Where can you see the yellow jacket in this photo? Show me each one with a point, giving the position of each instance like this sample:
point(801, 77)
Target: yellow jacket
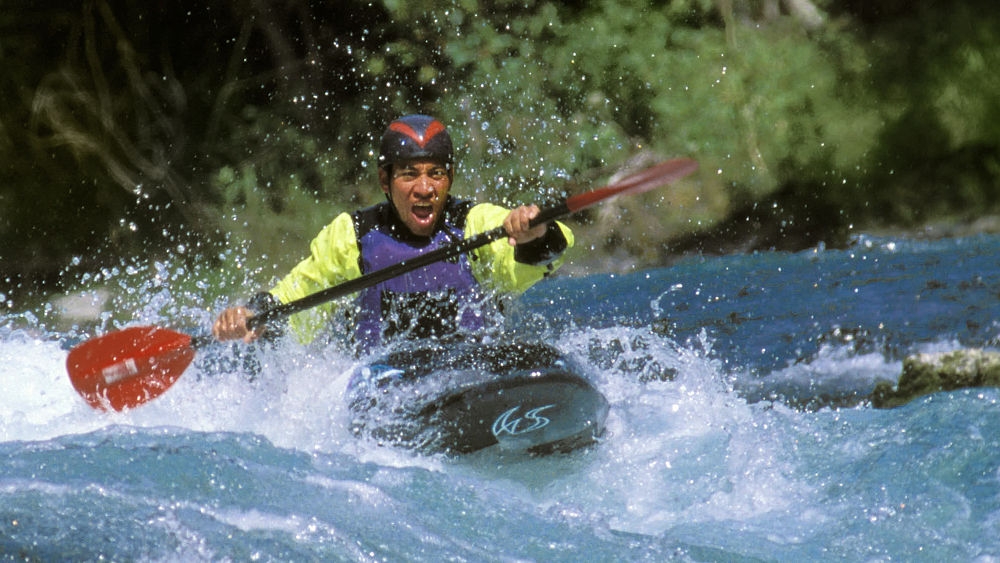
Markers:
point(334, 259)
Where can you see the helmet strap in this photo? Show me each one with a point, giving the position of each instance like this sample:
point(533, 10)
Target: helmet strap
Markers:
point(387, 191)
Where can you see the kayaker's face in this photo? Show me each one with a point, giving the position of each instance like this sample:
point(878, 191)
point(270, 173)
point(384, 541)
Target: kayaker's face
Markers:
point(418, 190)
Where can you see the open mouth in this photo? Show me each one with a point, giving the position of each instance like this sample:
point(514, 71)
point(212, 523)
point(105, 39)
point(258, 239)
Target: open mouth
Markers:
point(423, 212)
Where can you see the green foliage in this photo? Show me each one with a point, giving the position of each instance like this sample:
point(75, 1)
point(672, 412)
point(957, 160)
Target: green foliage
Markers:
point(555, 90)
point(272, 207)
point(568, 89)
point(938, 153)
point(135, 127)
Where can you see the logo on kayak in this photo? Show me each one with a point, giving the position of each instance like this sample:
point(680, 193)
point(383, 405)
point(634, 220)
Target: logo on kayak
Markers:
point(508, 423)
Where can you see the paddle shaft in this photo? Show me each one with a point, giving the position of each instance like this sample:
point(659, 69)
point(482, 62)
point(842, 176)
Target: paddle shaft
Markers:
point(379, 276)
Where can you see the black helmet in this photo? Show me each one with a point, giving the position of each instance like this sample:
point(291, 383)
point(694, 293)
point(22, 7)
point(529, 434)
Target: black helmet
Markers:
point(416, 137)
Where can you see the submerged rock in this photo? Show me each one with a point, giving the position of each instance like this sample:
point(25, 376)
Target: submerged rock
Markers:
point(924, 374)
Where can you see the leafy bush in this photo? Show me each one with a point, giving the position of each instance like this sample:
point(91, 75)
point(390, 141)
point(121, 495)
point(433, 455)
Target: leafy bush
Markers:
point(251, 125)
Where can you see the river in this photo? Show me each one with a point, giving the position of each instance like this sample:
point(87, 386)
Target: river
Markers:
point(738, 431)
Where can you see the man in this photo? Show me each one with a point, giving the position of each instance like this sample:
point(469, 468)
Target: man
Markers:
point(416, 171)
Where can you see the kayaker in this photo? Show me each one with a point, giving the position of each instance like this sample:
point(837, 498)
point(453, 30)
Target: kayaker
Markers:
point(416, 172)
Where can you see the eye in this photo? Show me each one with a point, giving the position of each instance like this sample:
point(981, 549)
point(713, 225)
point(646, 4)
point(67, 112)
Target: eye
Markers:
point(405, 173)
point(438, 174)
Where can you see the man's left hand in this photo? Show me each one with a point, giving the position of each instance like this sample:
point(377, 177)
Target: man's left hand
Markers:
point(517, 225)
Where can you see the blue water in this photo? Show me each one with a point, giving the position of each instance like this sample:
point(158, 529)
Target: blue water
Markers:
point(738, 431)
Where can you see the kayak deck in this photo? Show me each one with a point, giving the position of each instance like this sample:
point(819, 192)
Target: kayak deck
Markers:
point(464, 397)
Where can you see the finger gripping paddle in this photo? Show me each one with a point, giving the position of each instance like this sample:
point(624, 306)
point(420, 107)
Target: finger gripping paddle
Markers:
point(124, 369)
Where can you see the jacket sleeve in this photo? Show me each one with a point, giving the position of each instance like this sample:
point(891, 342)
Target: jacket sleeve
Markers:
point(496, 265)
point(333, 259)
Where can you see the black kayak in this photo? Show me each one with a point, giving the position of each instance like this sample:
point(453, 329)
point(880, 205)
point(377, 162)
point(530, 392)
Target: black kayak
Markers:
point(463, 397)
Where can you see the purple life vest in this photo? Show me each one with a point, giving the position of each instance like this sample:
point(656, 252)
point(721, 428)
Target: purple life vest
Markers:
point(437, 300)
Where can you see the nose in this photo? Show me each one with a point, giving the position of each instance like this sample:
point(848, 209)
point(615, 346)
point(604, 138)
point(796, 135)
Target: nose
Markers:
point(424, 187)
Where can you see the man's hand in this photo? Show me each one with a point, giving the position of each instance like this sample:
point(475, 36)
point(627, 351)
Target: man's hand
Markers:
point(232, 325)
point(516, 225)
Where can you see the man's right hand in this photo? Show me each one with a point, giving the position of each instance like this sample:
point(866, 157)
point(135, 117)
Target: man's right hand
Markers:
point(232, 325)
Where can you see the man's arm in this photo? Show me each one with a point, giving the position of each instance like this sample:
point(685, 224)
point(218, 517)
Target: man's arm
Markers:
point(513, 269)
point(333, 259)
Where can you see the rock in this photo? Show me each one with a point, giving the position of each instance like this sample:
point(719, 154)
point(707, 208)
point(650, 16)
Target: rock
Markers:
point(924, 374)
point(81, 307)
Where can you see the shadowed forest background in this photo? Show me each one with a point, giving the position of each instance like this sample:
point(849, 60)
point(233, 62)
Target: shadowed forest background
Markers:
point(174, 130)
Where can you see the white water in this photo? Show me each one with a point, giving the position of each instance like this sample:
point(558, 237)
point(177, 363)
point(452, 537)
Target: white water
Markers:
point(224, 467)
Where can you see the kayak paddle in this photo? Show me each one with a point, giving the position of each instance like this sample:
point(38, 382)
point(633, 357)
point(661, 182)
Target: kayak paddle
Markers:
point(127, 368)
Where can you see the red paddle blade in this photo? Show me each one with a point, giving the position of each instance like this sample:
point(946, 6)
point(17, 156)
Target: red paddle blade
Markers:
point(124, 369)
point(643, 181)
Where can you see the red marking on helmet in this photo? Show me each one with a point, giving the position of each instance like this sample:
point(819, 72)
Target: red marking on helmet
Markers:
point(433, 128)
